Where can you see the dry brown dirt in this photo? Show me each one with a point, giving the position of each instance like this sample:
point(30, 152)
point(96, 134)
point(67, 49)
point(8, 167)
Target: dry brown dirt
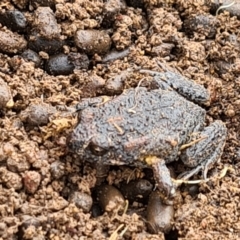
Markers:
point(47, 192)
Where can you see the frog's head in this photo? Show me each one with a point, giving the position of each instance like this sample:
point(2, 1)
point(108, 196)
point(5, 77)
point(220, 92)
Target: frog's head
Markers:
point(87, 143)
point(81, 147)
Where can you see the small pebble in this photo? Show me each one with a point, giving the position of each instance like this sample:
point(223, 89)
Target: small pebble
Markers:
point(59, 65)
point(31, 181)
point(37, 114)
point(11, 42)
point(38, 43)
point(5, 94)
point(30, 55)
point(159, 215)
point(110, 198)
point(205, 25)
point(94, 86)
point(92, 41)
point(137, 190)
point(57, 169)
point(81, 200)
point(96, 82)
point(14, 20)
point(45, 33)
point(79, 60)
point(115, 84)
point(62, 64)
point(110, 9)
point(45, 23)
point(233, 39)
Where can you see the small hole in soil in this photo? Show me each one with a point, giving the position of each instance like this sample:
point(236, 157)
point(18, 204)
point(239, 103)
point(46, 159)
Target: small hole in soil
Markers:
point(172, 235)
point(17, 97)
point(1, 114)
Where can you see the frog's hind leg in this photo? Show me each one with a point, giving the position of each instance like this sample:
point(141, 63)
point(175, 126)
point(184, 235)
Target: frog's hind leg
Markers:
point(185, 87)
point(204, 153)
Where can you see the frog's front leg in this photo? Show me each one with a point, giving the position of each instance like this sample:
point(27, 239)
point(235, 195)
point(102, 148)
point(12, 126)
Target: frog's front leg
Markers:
point(185, 87)
point(162, 176)
point(92, 102)
point(205, 152)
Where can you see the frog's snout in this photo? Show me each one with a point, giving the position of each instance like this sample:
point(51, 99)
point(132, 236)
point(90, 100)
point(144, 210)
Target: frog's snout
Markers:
point(96, 144)
point(73, 145)
point(75, 142)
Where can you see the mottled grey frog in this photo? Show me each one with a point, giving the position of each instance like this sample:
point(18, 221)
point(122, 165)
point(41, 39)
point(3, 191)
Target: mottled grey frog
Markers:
point(151, 127)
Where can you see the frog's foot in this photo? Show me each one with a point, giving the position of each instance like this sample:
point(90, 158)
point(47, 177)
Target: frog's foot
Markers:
point(162, 176)
point(203, 154)
point(222, 174)
point(188, 174)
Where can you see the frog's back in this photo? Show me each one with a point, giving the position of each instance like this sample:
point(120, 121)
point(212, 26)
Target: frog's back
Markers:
point(141, 122)
point(139, 110)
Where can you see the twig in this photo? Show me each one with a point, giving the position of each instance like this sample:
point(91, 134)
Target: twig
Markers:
point(224, 6)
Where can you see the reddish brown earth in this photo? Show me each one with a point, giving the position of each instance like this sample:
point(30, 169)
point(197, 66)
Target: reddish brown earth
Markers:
point(47, 192)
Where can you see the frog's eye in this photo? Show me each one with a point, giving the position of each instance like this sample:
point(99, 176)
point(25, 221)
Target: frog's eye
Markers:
point(96, 150)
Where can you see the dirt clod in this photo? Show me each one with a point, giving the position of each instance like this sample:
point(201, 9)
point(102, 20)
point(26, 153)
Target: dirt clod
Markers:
point(11, 42)
point(31, 181)
point(45, 23)
point(92, 41)
point(14, 20)
point(38, 114)
point(110, 198)
point(5, 94)
point(81, 200)
point(159, 216)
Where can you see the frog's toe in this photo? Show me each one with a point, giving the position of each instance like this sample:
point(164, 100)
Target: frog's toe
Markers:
point(188, 174)
point(162, 177)
point(203, 154)
point(210, 161)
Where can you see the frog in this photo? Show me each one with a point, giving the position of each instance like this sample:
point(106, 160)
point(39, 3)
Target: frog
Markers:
point(151, 127)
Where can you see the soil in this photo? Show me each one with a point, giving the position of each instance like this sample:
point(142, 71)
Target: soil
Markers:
point(46, 192)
